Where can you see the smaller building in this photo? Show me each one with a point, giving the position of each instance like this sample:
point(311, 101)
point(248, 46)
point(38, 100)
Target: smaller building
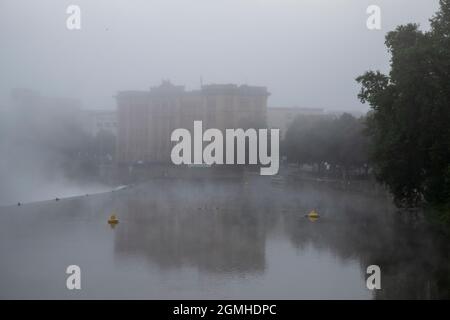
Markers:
point(95, 121)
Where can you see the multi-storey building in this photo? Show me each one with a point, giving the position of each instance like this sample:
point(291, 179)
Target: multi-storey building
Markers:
point(146, 119)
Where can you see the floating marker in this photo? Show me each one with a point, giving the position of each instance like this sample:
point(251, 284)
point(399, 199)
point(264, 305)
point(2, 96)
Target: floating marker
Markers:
point(112, 221)
point(313, 216)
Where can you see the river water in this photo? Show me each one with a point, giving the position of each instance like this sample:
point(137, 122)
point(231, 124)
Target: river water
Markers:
point(220, 239)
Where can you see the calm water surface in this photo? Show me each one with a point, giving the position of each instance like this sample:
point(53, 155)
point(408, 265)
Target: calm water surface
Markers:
point(236, 239)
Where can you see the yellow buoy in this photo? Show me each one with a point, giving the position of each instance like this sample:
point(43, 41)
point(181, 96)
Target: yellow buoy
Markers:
point(313, 216)
point(112, 221)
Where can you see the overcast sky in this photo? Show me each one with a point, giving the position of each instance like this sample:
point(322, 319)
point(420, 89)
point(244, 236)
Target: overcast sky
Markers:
point(307, 52)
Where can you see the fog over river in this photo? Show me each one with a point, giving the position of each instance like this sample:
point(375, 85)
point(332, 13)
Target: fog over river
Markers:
point(232, 238)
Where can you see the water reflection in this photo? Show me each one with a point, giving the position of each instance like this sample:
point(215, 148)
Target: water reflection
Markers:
point(236, 238)
point(224, 228)
point(216, 228)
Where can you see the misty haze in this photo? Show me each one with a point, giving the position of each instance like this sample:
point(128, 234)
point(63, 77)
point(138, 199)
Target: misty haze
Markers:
point(341, 160)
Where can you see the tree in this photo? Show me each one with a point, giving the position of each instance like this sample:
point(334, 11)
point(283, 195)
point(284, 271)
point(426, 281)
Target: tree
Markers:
point(338, 142)
point(409, 124)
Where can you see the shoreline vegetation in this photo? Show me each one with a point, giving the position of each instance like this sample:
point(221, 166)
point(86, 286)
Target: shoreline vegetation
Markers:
point(408, 124)
point(404, 140)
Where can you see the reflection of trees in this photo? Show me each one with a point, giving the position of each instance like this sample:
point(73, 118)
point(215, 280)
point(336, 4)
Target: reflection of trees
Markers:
point(356, 227)
point(223, 226)
point(215, 227)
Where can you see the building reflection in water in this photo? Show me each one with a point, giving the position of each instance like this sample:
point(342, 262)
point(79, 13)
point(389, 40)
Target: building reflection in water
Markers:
point(224, 227)
point(213, 227)
point(233, 238)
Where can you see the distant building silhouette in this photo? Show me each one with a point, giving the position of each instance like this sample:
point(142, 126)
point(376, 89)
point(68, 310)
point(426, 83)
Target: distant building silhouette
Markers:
point(96, 121)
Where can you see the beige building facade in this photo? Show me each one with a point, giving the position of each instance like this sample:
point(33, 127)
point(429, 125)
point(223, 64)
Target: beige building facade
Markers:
point(146, 119)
